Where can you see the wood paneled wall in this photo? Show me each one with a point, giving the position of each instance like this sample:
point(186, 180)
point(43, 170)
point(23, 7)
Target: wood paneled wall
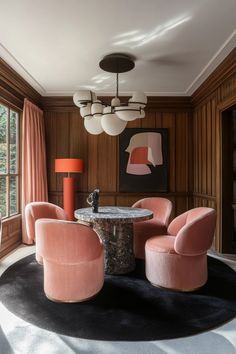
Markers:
point(13, 90)
point(11, 235)
point(194, 145)
point(217, 93)
point(66, 137)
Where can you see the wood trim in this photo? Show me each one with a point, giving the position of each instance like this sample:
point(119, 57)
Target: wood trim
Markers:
point(11, 234)
point(214, 80)
point(170, 103)
point(134, 194)
point(231, 101)
point(226, 104)
point(59, 104)
point(204, 196)
point(14, 88)
point(12, 247)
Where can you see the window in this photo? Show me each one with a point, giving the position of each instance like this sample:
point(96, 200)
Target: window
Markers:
point(9, 161)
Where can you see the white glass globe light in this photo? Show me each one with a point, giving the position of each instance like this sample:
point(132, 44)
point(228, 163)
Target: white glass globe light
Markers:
point(85, 112)
point(138, 97)
point(111, 124)
point(142, 114)
point(115, 102)
point(97, 109)
point(126, 113)
point(82, 97)
point(93, 125)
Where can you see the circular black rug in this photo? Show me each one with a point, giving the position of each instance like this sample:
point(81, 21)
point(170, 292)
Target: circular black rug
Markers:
point(127, 308)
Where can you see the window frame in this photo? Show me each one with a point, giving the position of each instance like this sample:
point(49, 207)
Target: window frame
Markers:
point(11, 108)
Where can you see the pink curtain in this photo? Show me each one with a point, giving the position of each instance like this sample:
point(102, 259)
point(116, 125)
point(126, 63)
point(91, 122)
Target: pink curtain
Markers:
point(34, 174)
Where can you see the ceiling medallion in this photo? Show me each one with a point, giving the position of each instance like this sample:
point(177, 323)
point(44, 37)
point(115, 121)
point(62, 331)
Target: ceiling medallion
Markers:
point(113, 118)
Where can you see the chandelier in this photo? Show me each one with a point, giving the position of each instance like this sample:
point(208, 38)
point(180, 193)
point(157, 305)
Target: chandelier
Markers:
point(110, 118)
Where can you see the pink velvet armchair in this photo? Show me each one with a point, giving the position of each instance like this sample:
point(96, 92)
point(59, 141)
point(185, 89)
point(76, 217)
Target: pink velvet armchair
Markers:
point(178, 260)
point(38, 210)
point(143, 230)
point(72, 258)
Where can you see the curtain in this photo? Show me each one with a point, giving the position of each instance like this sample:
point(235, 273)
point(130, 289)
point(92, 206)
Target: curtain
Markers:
point(34, 173)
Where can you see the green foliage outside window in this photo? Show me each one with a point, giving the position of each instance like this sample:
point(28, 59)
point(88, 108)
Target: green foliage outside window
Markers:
point(8, 161)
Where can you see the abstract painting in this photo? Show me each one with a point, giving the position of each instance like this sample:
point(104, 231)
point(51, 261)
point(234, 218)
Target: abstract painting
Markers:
point(143, 160)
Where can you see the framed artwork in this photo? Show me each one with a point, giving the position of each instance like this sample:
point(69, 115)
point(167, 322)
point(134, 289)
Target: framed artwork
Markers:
point(143, 160)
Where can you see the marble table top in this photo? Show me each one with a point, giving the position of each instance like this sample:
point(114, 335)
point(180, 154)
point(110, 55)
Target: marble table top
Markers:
point(114, 214)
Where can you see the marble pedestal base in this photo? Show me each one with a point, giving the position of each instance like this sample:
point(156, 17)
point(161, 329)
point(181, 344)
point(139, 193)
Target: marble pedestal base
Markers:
point(114, 225)
point(118, 246)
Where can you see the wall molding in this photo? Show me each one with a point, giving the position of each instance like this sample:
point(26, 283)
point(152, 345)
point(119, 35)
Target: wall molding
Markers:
point(14, 88)
point(170, 103)
point(216, 79)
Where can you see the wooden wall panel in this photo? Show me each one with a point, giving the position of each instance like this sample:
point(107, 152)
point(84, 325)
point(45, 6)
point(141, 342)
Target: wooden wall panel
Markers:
point(213, 150)
point(199, 148)
point(106, 200)
point(194, 144)
point(11, 234)
point(13, 90)
point(209, 148)
point(66, 137)
point(78, 147)
point(150, 122)
point(168, 121)
point(195, 151)
point(216, 93)
point(62, 144)
point(107, 163)
point(203, 150)
point(181, 205)
point(181, 152)
point(92, 162)
point(50, 134)
point(158, 119)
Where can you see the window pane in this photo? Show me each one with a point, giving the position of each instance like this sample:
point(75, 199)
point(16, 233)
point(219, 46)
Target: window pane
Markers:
point(13, 195)
point(3, 139)
point(3, 196)
point(13, 141)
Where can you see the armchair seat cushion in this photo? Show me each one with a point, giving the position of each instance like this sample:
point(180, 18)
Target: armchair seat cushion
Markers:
point(143, 230)
point(162, 244)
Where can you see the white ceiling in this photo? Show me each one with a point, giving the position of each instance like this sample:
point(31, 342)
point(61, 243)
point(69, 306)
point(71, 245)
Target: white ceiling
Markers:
point(56, 45)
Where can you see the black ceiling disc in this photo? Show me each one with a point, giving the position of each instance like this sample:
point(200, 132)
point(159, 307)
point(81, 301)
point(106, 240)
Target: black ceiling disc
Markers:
point(117, 63)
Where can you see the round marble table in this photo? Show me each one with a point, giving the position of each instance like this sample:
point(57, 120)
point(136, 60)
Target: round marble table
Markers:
point(114, 225)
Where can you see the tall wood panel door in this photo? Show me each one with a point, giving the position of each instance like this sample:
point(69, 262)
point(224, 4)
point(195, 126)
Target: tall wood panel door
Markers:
point(228, 167)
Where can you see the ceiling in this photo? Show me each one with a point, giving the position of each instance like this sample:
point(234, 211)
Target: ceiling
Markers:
point(56, 45)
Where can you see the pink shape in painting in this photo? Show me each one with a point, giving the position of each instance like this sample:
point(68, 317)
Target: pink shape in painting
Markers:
point(144, 149)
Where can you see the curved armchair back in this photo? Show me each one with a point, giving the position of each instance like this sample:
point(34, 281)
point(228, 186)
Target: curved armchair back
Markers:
point(195, 231)
point(67, 242)
point(39, 210)
point(73, 259)
point(161, 207)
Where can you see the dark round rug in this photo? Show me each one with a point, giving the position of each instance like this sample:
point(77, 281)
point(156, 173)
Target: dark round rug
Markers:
point(127, 308)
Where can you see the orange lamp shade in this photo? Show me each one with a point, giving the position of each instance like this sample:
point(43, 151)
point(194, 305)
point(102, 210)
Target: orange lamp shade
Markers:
point(69, 165)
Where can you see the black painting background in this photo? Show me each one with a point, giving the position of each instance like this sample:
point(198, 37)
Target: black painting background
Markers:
point(157, 181)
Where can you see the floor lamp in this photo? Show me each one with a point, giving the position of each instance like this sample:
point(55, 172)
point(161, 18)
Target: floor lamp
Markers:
point(69, 166)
